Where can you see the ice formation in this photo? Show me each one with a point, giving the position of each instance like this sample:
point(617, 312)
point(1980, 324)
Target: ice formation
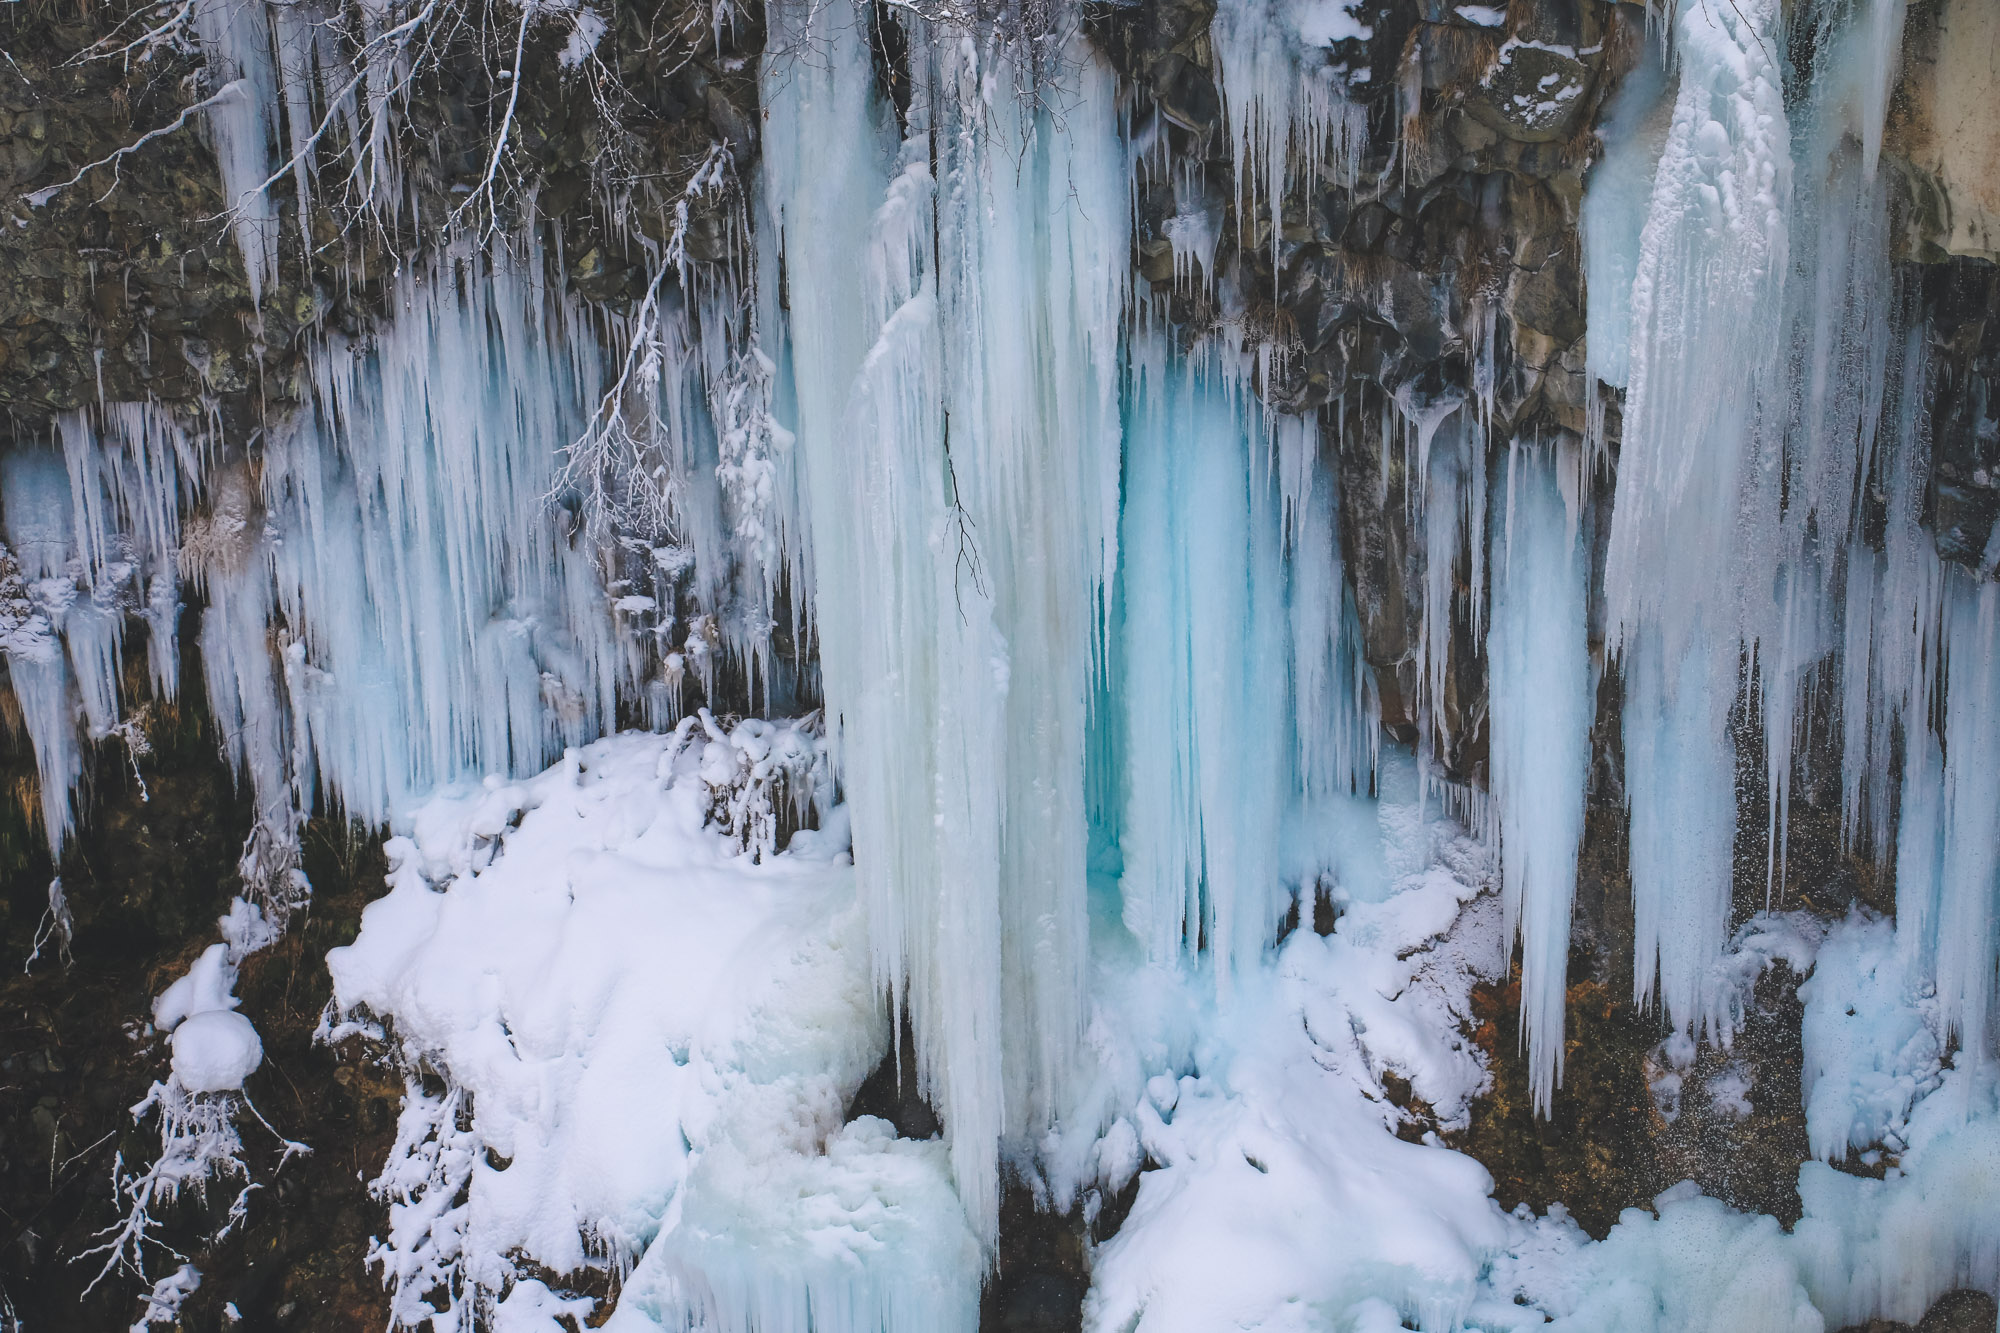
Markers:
point(1096, 717)
point(1206, 752)
point(1541, 712)
point(961, 575)
point(1706, 294)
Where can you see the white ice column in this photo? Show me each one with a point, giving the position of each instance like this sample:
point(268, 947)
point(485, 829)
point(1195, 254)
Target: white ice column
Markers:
point(1705, 330)
point(1540, 709)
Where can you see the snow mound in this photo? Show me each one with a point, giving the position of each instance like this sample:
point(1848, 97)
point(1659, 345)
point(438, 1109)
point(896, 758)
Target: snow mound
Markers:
point(629, 1041)
point(1281, 1196)
point(215, 1051)
point(1871, 1042)
point(215, 1048)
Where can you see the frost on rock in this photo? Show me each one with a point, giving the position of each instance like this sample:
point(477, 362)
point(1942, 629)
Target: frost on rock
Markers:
point(630, 1044)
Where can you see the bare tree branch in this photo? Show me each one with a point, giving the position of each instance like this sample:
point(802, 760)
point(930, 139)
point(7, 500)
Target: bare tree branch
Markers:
point(39, 198)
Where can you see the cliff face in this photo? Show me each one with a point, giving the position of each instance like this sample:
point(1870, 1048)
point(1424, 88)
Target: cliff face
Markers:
point(1440, 263)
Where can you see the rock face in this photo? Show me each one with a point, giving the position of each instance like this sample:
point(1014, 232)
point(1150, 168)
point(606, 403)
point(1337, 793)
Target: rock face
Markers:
point(1942, 126)
point(120, 279)
point(115, 287)
point(151, 870)
point(1962, 300)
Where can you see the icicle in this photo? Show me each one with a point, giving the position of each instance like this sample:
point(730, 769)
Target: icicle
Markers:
point(959, 558)
point(448, 626)
point(1337, 718)
point(236, 39)
point(37, 598)
point(41, 687)
point(1443, 487)
point(1284, 101)
point(1032, 231)
point(1839, 298)
point(1920, 846)
point(914, 674)
point(308, 60)
point(1840, 291)
point(1969, 864)
point(1787, 652)
point(1205, 767)
point(1680, 783)
point(1865, 759)
point(93, 631)
point(1541, 707)
point(128, 484)
point(1903, 637)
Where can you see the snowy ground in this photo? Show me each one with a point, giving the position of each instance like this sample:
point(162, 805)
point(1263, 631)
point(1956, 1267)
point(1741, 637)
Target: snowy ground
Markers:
point(631, 1045)
point(629, 1040)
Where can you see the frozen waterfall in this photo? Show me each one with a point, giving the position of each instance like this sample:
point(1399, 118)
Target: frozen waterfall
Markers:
point(1108, 773)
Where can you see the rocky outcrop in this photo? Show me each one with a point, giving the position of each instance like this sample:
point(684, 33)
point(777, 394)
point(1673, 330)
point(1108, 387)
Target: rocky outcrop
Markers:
point(1942, 128)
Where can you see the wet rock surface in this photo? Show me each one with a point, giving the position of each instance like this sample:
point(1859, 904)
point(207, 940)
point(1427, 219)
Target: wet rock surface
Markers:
point(1962, 300)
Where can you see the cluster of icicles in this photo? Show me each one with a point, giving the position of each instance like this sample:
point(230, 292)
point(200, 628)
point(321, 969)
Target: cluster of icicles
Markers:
point(1076, 594)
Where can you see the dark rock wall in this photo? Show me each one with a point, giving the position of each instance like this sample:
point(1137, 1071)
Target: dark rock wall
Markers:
point(152, 866)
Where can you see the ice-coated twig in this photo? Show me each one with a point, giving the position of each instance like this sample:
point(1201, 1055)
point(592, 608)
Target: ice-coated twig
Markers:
point(40, 198)
point(55, 926)
point(484, 190)
point(613, 450)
